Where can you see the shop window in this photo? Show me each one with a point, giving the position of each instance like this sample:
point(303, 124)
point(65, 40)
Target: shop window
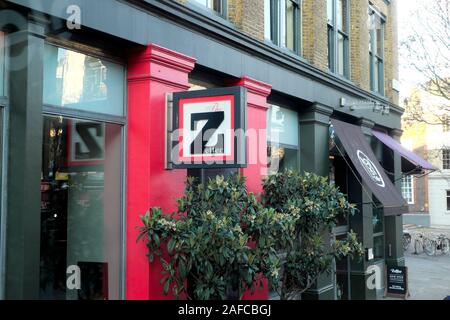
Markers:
point(80, 209)
point(78, 81)
point(408, 189)
point(218, 6)
point(378, 229)
point(446, 159)
point(282, 23)
point(283, 139)
point(376, 51)
point(338, 36)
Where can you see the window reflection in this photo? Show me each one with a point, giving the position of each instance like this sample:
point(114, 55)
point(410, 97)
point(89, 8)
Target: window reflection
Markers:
point(80, 209)
point(283, 139)
point(79, 81)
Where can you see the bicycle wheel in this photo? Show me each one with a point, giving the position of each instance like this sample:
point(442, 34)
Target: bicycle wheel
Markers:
point(406, 241)
point(429, 246)
point(445, 245)
point(418, 246)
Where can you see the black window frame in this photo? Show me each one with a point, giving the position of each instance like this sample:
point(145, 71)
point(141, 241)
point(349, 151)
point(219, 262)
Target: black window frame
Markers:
point(376, 59)
point(276, 28)
point(333, 33)
point(446, 159)
point(222, 11)
point(448, 200)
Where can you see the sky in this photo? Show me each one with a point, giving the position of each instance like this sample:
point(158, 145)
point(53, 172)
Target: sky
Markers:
point(413, 14)
point(408, 76)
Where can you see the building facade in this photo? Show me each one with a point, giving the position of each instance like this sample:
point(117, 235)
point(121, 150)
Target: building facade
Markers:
point(428, 195)
point(83, 102)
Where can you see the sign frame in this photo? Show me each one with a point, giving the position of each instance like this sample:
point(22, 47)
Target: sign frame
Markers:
point(406, 279)
point(238, 108)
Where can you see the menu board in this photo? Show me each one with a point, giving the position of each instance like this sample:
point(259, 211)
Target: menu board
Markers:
point(397, 282)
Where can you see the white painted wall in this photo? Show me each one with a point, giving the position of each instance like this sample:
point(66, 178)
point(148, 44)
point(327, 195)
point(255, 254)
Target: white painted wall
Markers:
point(438, 184)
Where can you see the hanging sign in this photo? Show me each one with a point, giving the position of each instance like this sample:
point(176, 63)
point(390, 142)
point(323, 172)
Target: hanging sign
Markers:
point(208, 129)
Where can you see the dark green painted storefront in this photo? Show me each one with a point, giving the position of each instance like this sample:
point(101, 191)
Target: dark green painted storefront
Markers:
point(313, 94)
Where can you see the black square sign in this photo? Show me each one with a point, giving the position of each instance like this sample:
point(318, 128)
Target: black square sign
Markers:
point(209, 128)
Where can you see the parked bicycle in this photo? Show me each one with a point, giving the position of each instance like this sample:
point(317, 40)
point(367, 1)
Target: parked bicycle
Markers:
point(406, 240)
point(441, 243)
point(424, 244)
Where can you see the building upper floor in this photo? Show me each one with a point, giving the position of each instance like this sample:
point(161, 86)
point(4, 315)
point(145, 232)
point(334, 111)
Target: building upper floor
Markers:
point(346, 60)
point(353, 40)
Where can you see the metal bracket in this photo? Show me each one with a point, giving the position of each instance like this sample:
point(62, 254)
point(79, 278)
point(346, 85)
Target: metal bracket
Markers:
point(365, 105)
point(168, 132)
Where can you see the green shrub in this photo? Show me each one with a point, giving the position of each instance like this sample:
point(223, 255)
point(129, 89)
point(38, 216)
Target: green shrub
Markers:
point(315, 205)
point(220, 242)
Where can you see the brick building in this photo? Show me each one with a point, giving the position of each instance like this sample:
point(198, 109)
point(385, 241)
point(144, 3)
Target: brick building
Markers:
point(83, 109)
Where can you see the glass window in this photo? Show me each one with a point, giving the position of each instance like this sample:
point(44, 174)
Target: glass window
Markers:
point(448, 200)
point(377, 220)
point(267, 19)
point(330, 11)
point(338, 38)
point(282, 23)
point(408, 189)
point(80, 209)
point(378, 247)
point(376, 51)
point(341, 54)
point(446, 159)
point(78, 81)
point(2, 64)
point(378, 229)
point(215, 5)
point(283, 139)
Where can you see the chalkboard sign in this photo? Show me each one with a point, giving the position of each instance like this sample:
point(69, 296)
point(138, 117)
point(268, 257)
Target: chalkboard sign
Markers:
point(397, 282)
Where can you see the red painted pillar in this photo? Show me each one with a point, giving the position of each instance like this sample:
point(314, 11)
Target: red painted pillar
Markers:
point(152, 72)
point(257, 93)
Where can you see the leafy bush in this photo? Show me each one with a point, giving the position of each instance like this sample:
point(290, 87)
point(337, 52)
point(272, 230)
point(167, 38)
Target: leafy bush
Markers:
point(315, 206)
point(220, 242)
point(223, 241)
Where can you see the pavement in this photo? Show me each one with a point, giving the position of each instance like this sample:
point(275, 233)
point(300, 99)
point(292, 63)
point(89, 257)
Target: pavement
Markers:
point(429, 276)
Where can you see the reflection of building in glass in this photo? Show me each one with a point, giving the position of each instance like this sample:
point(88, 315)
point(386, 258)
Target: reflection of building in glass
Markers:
point(94, 82)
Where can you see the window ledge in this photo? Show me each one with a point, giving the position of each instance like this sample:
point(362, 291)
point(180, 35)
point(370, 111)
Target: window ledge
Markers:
point(214, 15)
point(285, 51)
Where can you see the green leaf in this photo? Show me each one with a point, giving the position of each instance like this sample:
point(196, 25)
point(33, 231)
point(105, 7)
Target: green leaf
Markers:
point(156, 239)
point(166, 287)
point(170, 246)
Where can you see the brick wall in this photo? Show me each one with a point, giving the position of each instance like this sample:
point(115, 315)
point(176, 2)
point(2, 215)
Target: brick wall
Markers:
point(359, 44)
point(314, 33)
point(248, 16)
